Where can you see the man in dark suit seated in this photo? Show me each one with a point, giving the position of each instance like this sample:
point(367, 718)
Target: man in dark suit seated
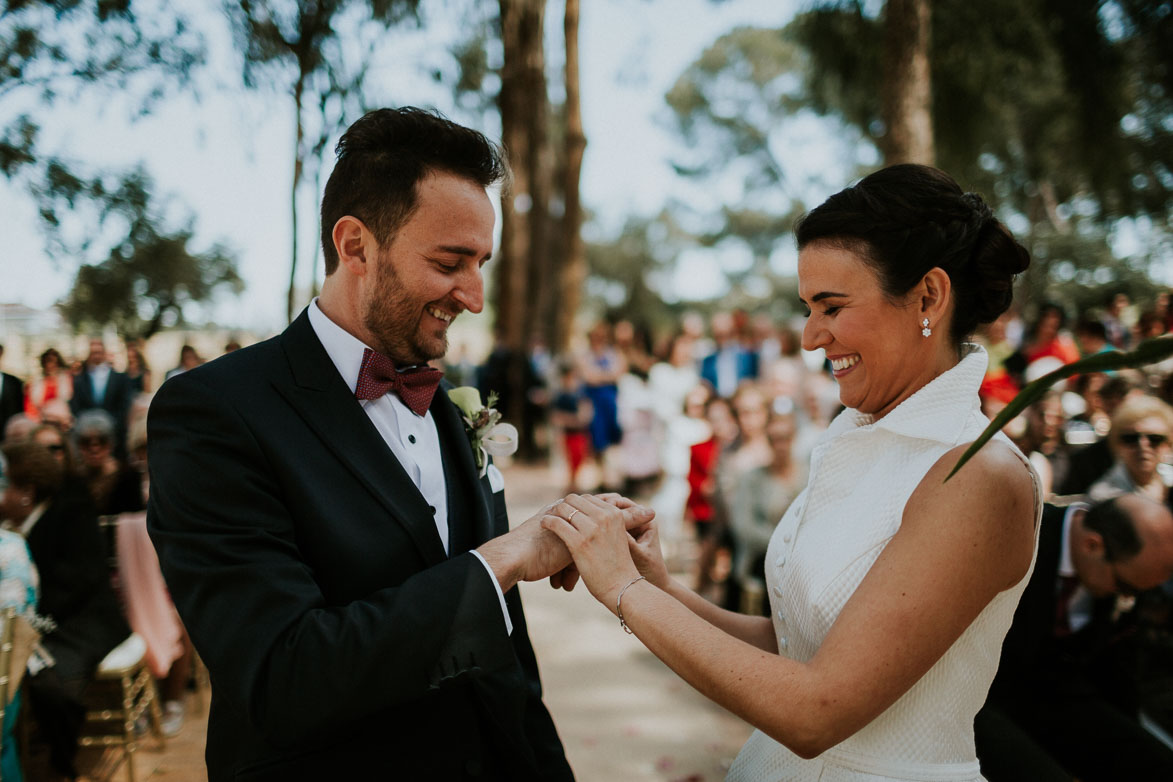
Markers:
point(66, 546)
point(11, 396)
point(1050, 713)
point(341, 560)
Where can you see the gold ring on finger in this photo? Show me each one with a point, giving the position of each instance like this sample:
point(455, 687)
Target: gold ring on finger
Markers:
point(572, 512)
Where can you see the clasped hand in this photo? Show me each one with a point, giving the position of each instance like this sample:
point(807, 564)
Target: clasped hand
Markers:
point(611, 539)
point(536, 550)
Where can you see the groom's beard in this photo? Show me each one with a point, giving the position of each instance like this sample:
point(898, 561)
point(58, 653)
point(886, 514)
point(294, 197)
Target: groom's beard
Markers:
point(395, 320)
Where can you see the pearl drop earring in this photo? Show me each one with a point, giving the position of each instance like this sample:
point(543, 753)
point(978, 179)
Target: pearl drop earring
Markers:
point(925, 330)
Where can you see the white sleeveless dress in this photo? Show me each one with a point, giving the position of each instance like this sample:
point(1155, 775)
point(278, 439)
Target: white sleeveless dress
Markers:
point(861, 476)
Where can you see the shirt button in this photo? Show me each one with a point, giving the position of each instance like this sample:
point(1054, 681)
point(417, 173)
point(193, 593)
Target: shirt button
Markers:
point(782, 642)
point(786, 537)
point(411, 439)
point(781, 617)
point(777, 592)
point(780, 561)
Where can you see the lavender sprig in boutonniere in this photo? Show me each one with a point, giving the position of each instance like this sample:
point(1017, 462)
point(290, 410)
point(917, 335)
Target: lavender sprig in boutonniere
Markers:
point(482, 423)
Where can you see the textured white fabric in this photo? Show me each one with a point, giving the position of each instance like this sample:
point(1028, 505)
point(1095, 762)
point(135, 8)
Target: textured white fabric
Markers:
point(825, 544)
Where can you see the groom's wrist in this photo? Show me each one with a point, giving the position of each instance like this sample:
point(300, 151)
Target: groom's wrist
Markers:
point(503, 560)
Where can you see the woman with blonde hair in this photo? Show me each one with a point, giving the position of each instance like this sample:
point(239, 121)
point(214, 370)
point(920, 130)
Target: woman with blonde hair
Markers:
point(1140, 440)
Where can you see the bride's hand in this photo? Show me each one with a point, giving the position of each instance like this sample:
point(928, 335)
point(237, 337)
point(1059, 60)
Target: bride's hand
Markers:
point(595, 532)
point(644, 545)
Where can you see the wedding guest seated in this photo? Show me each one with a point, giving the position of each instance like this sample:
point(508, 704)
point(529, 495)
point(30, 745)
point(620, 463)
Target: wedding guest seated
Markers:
point(18, 589)
point(66, 546)
point(53, 438)
point(1091, 462)
point(114, 486)
point(1140, 441)
point(1042, 440)
point(1049, 716)
point(18, 427)
point(57, 412)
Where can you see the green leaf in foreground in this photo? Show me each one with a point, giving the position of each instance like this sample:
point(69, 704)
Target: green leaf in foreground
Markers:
point(1148, 352)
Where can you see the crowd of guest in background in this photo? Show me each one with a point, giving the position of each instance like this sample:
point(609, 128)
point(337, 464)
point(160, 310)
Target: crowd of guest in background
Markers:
point(73, 490)
point(713, 425)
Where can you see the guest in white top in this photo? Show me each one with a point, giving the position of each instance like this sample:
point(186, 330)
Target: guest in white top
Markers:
point(890, 589)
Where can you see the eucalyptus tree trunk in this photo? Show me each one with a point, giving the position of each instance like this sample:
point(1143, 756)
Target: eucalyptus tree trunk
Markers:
point(298, 166)
point(522, 282)
point(573, 268)
point(907, 84)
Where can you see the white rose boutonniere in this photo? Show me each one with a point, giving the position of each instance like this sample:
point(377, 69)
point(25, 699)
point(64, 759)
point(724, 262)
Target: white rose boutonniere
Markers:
point(486, 434)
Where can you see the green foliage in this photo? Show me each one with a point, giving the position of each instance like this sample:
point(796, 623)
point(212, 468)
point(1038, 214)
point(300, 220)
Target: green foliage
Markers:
point(52, 52)
point(1058, 111)
point(318, 53)
point(150, 275)
point(627, 273)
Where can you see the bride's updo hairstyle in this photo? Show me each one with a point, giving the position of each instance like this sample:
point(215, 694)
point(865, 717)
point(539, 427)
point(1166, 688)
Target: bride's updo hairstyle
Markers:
point(906, 219)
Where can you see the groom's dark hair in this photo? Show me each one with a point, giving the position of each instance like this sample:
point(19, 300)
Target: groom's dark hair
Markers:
point(385, 154)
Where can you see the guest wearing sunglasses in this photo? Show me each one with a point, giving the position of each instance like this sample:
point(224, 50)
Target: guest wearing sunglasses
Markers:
point(1140, 441)
point(114, 486)
point(53, 438)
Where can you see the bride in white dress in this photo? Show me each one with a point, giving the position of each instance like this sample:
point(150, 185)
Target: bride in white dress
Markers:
point(890, 590)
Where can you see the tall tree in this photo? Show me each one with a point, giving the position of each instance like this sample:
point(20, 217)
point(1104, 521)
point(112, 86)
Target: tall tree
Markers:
point(1057, 111)
point(319, 55)
point(151, 275)
point(907, 83)
point(573, 267)
point(522, 279)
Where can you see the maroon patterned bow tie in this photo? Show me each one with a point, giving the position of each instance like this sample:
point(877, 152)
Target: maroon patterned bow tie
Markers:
point(415, 386)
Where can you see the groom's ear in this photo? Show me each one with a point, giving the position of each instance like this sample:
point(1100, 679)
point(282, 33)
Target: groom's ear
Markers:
point(353, 243)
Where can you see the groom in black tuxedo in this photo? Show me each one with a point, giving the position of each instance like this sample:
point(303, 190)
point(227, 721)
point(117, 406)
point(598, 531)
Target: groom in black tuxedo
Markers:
point(343, 567)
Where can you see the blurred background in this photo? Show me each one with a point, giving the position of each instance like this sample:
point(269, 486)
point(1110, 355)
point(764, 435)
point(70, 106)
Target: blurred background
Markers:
point(160, 162)
point(160, 169)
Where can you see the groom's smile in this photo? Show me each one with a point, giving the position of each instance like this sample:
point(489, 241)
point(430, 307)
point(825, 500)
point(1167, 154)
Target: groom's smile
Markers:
point(430, 270)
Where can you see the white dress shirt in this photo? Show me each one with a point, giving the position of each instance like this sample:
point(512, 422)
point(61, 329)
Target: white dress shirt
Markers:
point(99, 378)
point(1081, 603)
point(412, 438)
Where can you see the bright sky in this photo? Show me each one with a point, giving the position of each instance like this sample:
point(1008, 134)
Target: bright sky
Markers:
point(226, 159)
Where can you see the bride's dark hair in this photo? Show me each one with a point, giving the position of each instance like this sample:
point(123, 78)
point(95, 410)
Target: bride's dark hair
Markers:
point(906, 219)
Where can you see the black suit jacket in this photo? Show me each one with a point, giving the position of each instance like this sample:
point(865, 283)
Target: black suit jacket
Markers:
point(341, 640)
point(116, 401)
point(67, 548)
point(11, 399)
point(1034, 660)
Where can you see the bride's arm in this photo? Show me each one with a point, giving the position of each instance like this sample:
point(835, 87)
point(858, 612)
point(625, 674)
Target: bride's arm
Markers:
point(959, 544)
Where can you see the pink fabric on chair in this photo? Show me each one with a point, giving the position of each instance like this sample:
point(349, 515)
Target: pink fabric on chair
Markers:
point(149, 609)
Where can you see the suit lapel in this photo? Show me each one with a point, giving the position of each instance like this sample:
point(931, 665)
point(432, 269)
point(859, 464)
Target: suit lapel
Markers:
point(460, 471)
point(316, 391)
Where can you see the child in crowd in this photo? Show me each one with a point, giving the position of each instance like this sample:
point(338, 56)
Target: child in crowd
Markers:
point(571, 415)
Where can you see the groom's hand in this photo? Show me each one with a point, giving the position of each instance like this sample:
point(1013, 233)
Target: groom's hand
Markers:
point(526, 553)
point(530, 553)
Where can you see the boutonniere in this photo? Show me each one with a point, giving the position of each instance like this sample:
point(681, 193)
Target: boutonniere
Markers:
point(482, 423)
